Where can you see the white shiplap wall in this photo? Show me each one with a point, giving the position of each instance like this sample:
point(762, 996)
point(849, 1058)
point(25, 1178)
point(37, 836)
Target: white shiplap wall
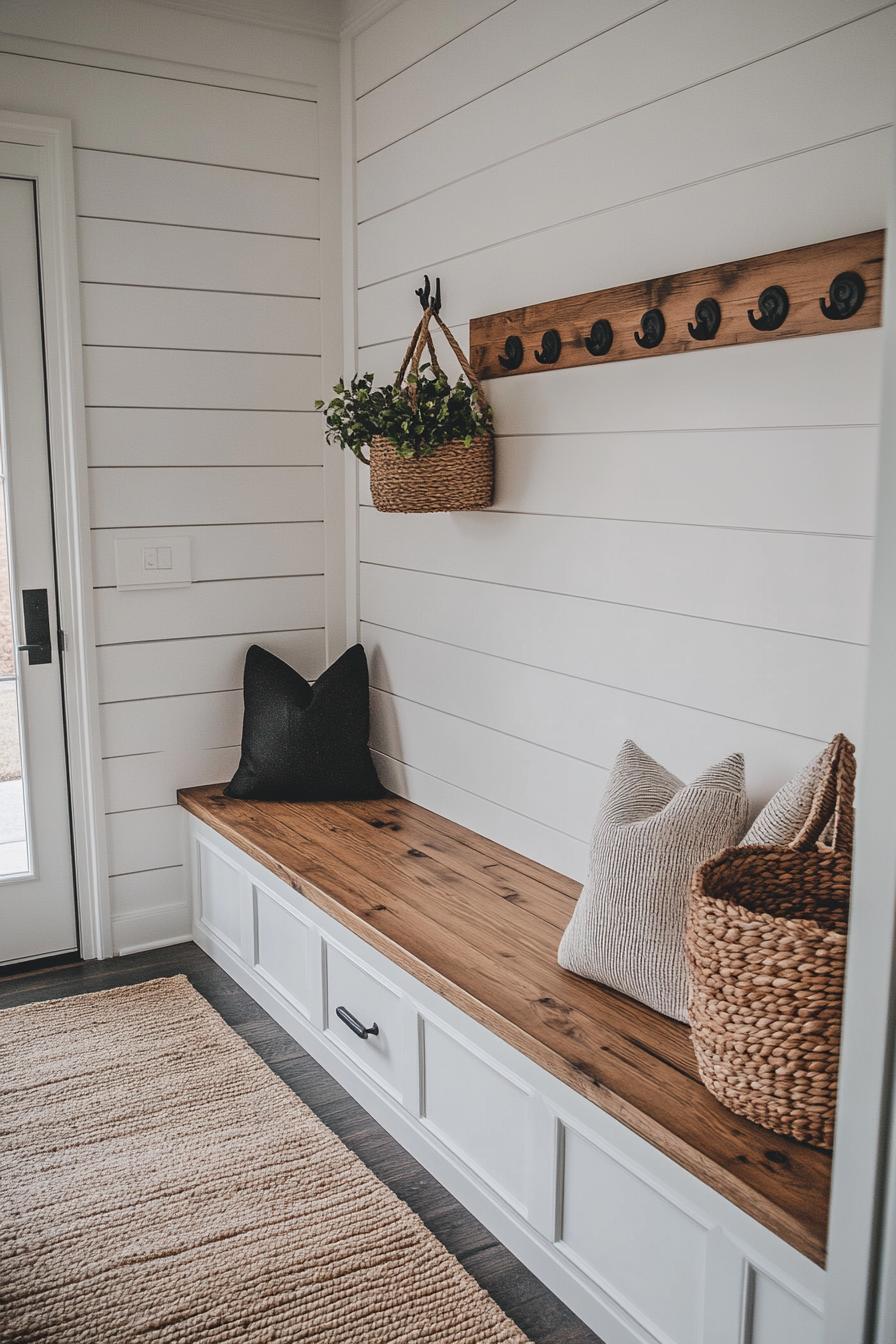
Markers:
point(679, 550)
point(199, 199)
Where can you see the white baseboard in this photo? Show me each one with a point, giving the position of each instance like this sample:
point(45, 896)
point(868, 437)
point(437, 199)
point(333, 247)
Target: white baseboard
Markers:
point(142, 930)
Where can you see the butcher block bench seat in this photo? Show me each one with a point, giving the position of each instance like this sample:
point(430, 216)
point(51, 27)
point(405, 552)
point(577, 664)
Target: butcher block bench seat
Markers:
point(480, 924)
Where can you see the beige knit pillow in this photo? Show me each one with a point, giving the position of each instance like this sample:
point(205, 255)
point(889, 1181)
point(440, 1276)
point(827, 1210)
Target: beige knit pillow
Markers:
point(627, 929)
point(785, 814)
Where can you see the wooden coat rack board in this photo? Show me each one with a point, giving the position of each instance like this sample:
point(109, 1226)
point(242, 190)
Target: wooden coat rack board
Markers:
point(806, 291)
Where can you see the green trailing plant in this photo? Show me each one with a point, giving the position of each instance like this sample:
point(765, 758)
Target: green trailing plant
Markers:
point(417, 417)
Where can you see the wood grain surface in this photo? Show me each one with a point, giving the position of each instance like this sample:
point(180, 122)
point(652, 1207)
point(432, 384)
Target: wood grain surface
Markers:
point(805, 273)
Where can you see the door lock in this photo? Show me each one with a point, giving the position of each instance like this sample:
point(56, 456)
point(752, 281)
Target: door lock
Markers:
point(38, 641)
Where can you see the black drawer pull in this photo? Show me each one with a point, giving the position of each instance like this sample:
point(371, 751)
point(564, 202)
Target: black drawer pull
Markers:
point(354, 1025)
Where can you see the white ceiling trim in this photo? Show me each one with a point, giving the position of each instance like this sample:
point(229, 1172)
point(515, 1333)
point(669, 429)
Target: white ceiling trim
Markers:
point(319, 18)
point(361, 14)
point(313, 18)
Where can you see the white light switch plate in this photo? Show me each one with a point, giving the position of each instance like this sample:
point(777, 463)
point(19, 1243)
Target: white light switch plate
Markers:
point(152, 562)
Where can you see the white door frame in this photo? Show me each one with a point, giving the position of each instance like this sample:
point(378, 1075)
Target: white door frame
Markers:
point(860, 1300)
point(43, 148)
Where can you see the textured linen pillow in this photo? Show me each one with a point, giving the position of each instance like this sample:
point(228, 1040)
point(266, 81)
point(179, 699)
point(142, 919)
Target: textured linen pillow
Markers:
point(652, 831)
point(785, 814)
point(304, 743)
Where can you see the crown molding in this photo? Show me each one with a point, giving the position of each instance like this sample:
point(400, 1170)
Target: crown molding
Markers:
point(331, 19)
point(360, 14)
point(310, 18)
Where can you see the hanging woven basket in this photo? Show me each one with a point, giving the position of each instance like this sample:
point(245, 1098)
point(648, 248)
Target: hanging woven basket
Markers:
point(766, 951)
point(454, 476)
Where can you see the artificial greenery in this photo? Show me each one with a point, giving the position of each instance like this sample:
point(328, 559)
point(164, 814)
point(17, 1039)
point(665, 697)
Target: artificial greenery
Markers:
point(440, 412)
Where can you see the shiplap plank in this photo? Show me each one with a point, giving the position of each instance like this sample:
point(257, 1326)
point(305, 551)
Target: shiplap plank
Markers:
point(195, 666)
point(824, 477)
point(116, 376)
point(776, 107)
point(150, 838)
point(810, 687)
point(230, 607)
point(587, 83)
point(814, 585)
point(121, 252)
point(654, 238)
point(833, 379)
point(152, 779)
point(725, 509)
point(199, 319)
point(576, 717)
point(119, 436)
point(506, 45)
point(815, 380)
point(171, 723)
point(136, 893)
point(227, 551)
point(154, 497)
point(558, 791)
point(169, 118)
point(409, 32)
point(523, 834)
point(164, 191)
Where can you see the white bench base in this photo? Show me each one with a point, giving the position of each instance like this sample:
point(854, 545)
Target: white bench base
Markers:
point(640, 1249)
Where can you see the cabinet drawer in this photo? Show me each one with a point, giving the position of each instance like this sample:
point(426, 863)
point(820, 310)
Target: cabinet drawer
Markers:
point(371, 1002)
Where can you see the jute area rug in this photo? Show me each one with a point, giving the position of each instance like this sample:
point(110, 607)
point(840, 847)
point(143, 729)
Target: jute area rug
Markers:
point(160, 1183)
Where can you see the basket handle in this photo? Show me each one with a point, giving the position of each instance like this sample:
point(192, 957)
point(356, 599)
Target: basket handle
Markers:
point(834, 805)
point(421, 338)
point(844, 807)
point(466, 366)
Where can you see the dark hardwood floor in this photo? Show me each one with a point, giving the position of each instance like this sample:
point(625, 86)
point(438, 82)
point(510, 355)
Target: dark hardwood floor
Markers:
point(536, 1310)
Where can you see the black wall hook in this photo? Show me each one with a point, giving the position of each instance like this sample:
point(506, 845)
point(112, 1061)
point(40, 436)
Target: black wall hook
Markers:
point(601, 338)
point(653, 329)
point(774, 305)
point(708, 316)
point(426, 296)
point(846, 296)
point(512, 357)
point(551, 345)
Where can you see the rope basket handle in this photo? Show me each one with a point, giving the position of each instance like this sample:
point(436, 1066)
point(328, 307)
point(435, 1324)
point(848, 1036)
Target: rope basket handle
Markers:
point(421, 338)
point(834, 806)
point(462, 360)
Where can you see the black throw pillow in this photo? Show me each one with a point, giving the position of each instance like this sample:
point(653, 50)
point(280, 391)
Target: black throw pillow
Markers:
point(304, 743)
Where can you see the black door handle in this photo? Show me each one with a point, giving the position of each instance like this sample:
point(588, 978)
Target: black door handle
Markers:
point(38, 640)
point(354, 1025)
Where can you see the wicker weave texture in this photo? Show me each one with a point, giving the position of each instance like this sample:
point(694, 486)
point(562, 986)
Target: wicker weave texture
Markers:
point(454, 477)
point(450, 478)
point(766, 950)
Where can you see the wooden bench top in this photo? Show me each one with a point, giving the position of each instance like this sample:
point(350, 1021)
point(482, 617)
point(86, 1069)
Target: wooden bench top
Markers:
point(480, 925)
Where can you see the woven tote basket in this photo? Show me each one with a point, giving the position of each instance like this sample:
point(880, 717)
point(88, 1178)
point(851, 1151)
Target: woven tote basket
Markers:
point(766, 949)
point(452, 477)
